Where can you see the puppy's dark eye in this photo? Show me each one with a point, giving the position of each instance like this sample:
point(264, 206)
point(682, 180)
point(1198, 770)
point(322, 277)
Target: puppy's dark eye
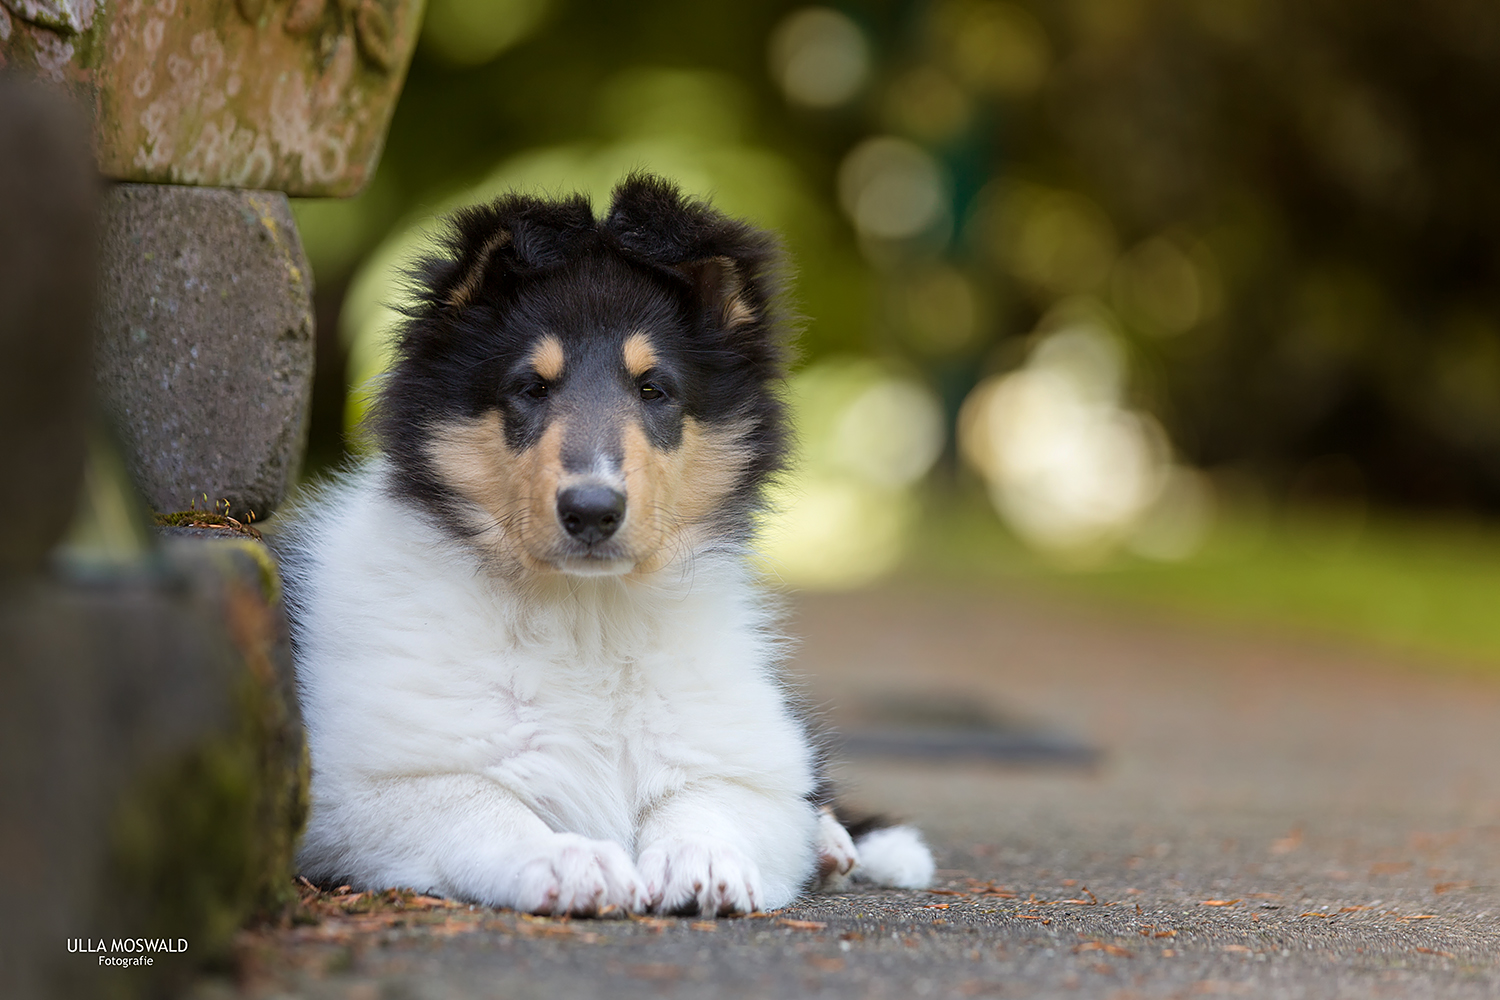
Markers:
point(650, 391)
point(536, 389)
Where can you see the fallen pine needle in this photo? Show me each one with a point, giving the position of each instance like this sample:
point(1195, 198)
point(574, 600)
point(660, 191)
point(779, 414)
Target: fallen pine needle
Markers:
point(989, 888)
point(1108, 949)
point(656, 924)
point(1434, 951)
point(434, 902)
point(1218, 902)
point(802, 925)
point(556, 930)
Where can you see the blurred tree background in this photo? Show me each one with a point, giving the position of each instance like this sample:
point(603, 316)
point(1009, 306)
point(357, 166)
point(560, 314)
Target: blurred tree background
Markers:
point(1114, 263)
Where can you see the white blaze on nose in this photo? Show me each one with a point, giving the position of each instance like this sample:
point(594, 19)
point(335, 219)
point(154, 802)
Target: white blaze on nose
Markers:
point(606, 469)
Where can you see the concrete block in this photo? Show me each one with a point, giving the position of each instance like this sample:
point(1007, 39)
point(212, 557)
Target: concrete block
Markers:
point(204, 347)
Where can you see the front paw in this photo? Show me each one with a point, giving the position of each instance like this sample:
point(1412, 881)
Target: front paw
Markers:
point(837, 854)
point(569, 874)
point(707, 876)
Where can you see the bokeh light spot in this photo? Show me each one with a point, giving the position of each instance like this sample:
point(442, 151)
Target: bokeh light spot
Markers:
point(995, 46)
point(819, 57)
point(472, 32)
point(890, 435)
point(1058, 242)
point(1072, 470)
point(928, 104)
point(1178, 523)
point(892, 189)
point(1162, 288)
point(866, 437)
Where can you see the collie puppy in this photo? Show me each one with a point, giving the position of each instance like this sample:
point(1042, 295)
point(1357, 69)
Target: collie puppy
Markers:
point(534, 667)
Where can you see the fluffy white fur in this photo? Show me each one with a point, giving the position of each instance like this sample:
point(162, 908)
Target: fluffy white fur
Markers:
point(895, 856)
point(562, 744)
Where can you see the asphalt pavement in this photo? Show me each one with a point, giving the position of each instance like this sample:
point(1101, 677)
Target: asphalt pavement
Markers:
point(1122, 806)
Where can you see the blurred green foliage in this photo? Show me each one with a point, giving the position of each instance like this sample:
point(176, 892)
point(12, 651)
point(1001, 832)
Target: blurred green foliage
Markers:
point(1288, 205)
point(1333, 160)
point(1419, 588)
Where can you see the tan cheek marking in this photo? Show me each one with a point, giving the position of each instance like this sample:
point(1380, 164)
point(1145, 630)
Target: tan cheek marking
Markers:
point(468, 286)
point(641, 467)
point(473, 458)
point(541, 529)
point(674, 492)
point(710, 465)
point(547, 358)
point(640, 356)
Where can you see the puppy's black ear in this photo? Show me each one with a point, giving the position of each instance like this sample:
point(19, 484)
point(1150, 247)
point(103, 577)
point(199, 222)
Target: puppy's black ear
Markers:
point(474, 243)
point(730, 267)
point(490, 246)
point(720, 289)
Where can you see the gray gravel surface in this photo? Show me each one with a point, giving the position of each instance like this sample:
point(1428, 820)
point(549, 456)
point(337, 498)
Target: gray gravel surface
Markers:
point(1343, 806)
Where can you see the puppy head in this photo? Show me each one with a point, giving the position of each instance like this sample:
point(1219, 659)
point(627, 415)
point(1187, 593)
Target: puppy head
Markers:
point(590, 396)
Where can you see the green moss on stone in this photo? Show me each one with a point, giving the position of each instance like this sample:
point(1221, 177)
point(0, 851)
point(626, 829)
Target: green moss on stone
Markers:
point(205, 843)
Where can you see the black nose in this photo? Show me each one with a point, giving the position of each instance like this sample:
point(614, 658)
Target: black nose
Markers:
point(590, 513)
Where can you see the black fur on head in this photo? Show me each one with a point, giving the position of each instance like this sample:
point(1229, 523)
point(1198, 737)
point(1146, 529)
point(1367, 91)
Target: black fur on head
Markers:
point(507, 274)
